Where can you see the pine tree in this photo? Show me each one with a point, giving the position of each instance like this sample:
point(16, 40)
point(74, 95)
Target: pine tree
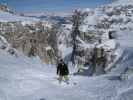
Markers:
point(76, 20)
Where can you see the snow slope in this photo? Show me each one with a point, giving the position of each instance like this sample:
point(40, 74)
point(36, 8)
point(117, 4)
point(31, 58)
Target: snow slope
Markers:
point(23, 78)
point(122, 2)
point(8, 17)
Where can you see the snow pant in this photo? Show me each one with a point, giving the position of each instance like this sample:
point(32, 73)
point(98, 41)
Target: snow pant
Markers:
point(80, 68)
point(63, 78)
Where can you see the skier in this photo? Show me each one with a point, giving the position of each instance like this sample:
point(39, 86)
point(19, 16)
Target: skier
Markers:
point(62, 71)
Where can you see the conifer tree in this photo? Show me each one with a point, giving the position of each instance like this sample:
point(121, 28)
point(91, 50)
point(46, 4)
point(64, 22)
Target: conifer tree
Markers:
point(76, 20)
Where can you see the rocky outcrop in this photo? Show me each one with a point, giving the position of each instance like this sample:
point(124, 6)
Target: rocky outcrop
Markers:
point(36, 39)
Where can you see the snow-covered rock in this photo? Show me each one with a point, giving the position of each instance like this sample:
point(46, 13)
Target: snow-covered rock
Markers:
point(104, 23)
point(8, 17)
point(122, 2)
point(108, 45)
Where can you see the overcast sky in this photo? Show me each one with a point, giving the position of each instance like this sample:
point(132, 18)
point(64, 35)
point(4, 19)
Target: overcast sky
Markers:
point(52, 5)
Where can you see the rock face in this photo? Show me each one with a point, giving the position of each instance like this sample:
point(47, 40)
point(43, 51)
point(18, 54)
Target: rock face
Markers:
point(33, 40)
point(31, 36)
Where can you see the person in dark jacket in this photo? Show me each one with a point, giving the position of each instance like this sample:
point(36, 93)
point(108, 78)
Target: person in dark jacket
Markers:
point(62, 71)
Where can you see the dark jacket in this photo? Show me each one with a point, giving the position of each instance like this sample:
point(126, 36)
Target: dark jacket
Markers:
point(62, 69)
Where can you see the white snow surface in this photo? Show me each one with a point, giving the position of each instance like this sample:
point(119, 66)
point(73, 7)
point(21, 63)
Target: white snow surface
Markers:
point(122, 2)
point(24, 78)
point(8, 17)
point(108, 45)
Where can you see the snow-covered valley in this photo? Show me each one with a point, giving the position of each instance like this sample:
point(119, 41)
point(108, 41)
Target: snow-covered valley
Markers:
point(31, 78)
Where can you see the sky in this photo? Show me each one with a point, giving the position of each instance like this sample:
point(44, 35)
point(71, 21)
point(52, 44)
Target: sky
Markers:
point(52, 5)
